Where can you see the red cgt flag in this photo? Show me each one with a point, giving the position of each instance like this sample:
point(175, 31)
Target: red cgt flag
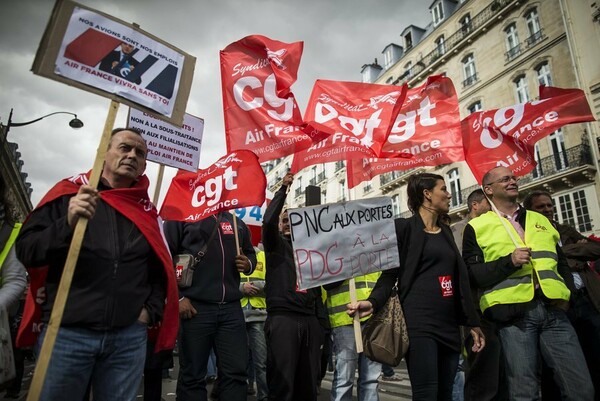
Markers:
point(234, 181)
point(261, 113)
point(356, 118)
point(426, 132)
point(506, 137)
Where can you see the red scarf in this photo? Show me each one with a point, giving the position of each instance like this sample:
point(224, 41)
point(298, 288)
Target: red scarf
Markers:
point(134, 204)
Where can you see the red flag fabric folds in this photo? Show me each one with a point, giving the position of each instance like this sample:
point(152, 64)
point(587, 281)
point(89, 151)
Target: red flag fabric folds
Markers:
point(261, 113)
point(506, 137)
point(234, 181)
point(426, 132)
point(354, 118)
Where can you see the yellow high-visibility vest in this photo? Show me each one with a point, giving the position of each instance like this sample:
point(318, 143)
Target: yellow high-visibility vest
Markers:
point(258, 301)
point(541, 237)
point(337, 298)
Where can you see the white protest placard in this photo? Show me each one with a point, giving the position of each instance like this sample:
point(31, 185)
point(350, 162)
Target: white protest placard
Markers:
point(338, 241)
point(102, 54)
point(168, 144)
point(137, 67)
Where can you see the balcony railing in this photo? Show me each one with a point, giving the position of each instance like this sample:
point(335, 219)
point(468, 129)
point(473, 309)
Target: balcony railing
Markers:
point(312, 181)
point(469, 81)
point(559, 162)
point(514, 52)
point(485, 17)
point(339, 165)
point(321, 177)
point(535, 38)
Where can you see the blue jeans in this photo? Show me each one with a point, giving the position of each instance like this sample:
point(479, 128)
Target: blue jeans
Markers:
point(546, 331)
point(346, 362)
point(221, 326)
point(112, 360)
point(258, 347)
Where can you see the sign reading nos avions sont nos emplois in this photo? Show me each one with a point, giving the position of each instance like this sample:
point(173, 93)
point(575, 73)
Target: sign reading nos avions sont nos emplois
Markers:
point(342, 240)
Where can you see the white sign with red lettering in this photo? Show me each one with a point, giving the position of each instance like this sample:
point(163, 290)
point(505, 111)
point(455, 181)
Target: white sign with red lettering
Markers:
point(338, 241)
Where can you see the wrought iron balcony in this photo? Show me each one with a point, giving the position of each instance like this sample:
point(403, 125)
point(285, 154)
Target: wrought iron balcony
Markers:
point(535, 38)
point(470, 80)
point(513, 53)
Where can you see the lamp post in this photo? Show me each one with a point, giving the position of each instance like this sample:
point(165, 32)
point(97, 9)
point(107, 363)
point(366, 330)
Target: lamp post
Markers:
point(74, 123)
point(14, 190)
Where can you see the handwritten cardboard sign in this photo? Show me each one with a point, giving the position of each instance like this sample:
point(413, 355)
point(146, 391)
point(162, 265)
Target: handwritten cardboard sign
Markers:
point(342, 240)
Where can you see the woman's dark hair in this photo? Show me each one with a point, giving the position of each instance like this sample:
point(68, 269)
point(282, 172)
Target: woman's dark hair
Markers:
point(417, 183)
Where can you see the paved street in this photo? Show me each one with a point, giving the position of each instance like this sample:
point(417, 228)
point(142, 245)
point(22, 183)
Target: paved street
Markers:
point(387, 391)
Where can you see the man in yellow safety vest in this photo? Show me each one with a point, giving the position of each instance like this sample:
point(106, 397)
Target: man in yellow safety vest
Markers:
point(524, 282)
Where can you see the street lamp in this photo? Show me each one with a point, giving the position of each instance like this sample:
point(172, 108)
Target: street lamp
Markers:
point(74, 123)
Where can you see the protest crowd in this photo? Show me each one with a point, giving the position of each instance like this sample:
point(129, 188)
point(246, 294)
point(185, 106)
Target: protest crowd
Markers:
point(105, 289)
point(243, 304)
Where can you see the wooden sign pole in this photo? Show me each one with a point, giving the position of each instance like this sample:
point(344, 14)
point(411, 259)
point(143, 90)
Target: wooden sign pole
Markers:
point(58, 309)
point(356, 322)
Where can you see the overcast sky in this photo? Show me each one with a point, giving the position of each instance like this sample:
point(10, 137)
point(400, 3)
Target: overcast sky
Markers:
point(339, 36)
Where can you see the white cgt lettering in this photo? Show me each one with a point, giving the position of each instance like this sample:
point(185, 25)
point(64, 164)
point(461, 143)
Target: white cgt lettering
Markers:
point(212, 189)
point(270, 95)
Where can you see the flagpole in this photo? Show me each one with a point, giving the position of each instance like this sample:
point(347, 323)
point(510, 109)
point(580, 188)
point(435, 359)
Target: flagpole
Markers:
point(58, 308)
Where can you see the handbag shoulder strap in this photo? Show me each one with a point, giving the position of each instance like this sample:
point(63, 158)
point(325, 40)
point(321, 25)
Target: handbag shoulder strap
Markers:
point(200, 255)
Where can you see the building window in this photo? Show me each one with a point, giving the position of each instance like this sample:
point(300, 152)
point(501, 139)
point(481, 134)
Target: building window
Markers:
point(438, 13)
point(543, 74)
point(367, 188)
point(408, 41)
point(469, 70)
point(513, 48)
point(408, 69)
point(557, 144)
point(440, 45)
point(466, 26)
point(538, 171)
point(533, 27)
point(389, 80)
point(476, 106)
point(388, 58)
point(396, 205)
point(454, 187)
point(573, 210)
point(521, 89)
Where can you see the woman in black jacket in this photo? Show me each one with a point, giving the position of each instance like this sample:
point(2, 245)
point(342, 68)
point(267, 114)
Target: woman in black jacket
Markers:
point(433, 288)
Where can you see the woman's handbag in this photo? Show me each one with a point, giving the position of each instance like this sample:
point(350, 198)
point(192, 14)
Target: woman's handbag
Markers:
point(385, 336)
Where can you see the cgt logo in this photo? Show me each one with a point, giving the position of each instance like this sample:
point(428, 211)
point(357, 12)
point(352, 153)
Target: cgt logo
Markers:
point(540, 228)
point(446, 285)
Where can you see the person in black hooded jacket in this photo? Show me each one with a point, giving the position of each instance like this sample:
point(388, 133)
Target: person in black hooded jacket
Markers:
point(210, 310)
point(294, 336)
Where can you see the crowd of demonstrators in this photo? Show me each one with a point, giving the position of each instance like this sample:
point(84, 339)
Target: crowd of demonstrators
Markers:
point(122, 278)
point(210, 310)
point(433, 289)
point(584, 312)
point(514, 258)
point(294, 335)
point(509, 290)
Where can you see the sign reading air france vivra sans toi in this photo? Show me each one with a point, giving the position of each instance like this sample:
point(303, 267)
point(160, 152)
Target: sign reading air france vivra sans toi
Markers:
point(338, 241)
point(101, 54)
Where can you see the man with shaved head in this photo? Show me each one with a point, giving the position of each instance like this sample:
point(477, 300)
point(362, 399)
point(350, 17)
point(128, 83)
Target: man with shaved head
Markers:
point(515, 260)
